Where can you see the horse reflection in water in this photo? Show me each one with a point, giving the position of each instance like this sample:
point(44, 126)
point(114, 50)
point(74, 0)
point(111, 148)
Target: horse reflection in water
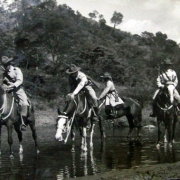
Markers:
point(167, 114)
point(86, 166)
point(11, 118)
point(79, 115)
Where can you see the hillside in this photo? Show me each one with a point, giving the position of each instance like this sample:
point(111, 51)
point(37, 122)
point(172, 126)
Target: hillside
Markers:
point(44, 38)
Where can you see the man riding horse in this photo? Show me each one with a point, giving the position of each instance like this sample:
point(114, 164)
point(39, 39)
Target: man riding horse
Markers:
point(111, 95)
point(12, 81)
point(166, 78)
point(79, 81)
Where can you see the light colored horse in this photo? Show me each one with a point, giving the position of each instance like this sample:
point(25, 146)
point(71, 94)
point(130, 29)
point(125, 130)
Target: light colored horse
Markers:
point(9, 116)
point(79, 115)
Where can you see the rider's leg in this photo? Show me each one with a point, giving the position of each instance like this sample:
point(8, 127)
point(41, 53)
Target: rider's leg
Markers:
point(153, 113)
point(92, 100)
point(23, 106)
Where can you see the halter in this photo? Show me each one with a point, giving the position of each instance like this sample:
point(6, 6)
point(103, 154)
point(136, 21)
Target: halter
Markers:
point(3, 109)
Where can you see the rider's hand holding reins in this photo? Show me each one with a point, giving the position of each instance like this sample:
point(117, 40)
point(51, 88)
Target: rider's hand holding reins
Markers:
point(10, 87)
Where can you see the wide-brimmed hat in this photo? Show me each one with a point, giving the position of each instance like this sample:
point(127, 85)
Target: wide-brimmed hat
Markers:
point(106, 75)
point(72, 69)
point(5, 60)
point(167, 61)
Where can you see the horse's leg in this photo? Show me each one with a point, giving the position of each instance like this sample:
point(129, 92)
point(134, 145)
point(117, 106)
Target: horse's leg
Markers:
point(19, 133)
point(159, 134)
point(174, 127)
point(102, 129)
point(34, 134)
point(0, 138)
point(91, 135)
point(72, 139)
point(169, 129)
point(84, 139)
point(131, 124)
point(10, 140)
point(165, 136)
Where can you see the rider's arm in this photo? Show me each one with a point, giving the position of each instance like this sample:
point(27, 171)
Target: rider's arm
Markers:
point(19, 77)
point(175, 79)
point(159, 82)
point(81, 84)
point(106, 90)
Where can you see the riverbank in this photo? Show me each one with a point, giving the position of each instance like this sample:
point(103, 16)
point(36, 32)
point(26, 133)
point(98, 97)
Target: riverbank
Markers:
point(155, 172)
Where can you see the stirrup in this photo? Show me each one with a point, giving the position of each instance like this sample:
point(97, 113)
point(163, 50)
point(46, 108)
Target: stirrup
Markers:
point(23, 127)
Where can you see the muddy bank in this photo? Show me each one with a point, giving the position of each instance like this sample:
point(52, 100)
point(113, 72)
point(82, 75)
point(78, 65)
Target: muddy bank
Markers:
point(155, 172)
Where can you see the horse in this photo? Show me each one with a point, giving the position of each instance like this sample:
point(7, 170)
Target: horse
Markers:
point(79, 114)
point(10, 117)
point(132, 110)
point(166, 113)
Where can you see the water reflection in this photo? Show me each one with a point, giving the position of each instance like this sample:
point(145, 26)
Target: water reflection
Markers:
point(56, 161)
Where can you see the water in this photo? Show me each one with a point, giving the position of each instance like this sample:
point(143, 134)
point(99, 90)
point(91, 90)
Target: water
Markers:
point(56, 161)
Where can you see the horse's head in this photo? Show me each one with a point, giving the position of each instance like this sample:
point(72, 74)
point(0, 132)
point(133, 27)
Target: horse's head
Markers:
point(61, 125)
point(163, 98)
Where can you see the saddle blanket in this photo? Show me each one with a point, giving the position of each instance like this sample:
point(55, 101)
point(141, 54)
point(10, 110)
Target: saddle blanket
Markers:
point(111, 100)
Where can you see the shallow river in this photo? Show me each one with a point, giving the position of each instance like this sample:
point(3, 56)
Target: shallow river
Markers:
point(56, 161)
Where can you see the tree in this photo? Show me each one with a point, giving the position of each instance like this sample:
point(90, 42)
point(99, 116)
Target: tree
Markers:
point(93, 15)
point(116, 18)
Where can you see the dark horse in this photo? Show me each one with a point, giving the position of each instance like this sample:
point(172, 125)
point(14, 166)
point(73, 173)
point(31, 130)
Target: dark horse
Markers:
point(166, 114)
point(79, 115)
point(132, 110)
point(10, 117)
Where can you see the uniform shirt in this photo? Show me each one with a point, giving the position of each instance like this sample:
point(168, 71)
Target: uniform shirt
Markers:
point(167, 76)
point(81, 80)
point(109, 87)
point(14, 75)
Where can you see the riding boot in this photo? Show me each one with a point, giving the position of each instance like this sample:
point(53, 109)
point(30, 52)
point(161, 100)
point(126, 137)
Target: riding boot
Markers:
point(23, 115)
point(22, 126)
point(153, 113)
point(96, 114)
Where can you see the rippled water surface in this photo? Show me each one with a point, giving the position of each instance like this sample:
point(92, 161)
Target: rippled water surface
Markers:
point(56, 161)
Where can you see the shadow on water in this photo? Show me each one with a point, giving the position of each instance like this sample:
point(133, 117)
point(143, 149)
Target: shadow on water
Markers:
point(56, 161)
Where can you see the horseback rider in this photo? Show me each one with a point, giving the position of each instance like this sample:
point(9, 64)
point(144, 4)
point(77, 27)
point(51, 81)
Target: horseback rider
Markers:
point(111, 95)
point(12, 81)
point(79, 81)
point(166, 78)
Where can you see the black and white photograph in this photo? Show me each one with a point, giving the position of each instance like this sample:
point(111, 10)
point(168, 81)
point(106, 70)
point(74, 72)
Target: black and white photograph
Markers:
point(89, 89)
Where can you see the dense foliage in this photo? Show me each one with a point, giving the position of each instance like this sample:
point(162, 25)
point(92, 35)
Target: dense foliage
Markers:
point(44, 38)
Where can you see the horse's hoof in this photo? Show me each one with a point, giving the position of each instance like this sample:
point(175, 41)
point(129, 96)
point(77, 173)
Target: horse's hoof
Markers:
point(11, 156)
point(158, 146)
point(37, 151)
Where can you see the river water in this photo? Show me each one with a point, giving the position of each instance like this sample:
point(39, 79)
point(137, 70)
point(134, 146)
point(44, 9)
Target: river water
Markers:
point(55, 161)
